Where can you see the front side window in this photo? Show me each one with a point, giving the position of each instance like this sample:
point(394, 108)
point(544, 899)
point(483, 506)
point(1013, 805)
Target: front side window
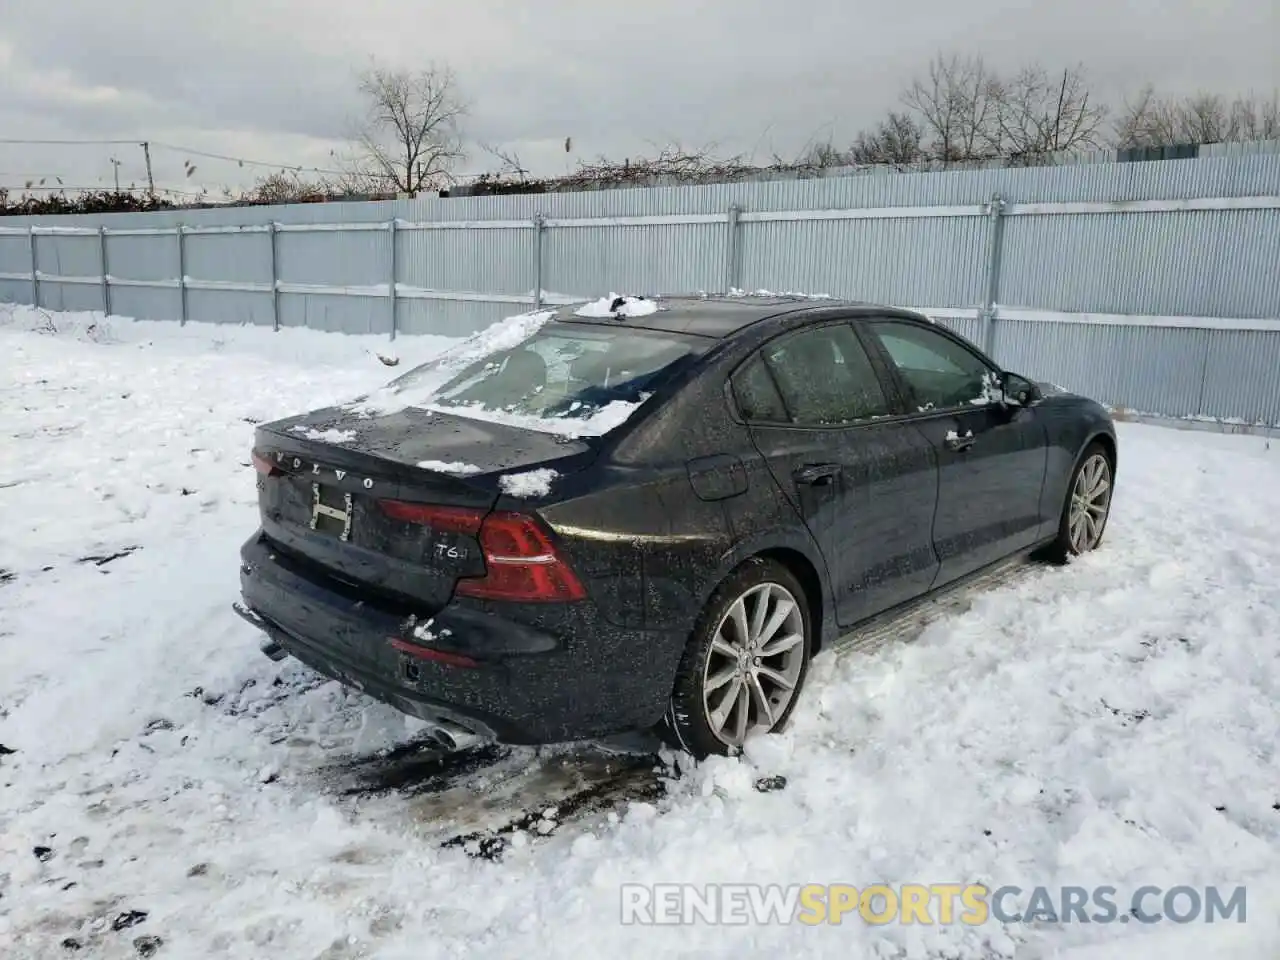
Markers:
point(940, 372)
point(825, 377)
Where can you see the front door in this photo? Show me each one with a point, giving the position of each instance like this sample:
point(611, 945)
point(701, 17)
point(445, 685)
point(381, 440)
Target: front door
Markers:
point(866, 487)
point(991, 457)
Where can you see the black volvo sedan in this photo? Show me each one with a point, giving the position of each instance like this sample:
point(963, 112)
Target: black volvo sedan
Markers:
point(654, 513)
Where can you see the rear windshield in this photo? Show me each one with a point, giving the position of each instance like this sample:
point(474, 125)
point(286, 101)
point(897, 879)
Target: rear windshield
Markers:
point(565, 371)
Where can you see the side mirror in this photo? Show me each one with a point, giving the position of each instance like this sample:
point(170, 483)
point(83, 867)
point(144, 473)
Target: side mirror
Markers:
point(1018, 391)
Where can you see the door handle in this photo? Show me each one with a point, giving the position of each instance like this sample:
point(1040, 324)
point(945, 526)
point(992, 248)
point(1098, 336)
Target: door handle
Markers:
point(817, 474)
point(956, 441)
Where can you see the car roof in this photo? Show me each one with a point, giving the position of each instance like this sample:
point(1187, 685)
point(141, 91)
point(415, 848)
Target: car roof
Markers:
point(719, 317)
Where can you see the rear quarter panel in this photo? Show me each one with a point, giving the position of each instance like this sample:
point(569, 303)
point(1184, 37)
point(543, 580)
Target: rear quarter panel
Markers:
point(638, 533)
point(678, 501)
point(638, 539)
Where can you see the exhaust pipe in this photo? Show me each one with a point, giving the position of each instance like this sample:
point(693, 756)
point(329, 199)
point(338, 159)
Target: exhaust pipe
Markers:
point(451, 736)
point(272, 650)
point(269, 647)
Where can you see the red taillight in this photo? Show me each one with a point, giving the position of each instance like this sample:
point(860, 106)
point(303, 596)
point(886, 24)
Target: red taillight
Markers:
point(522, 564)
point(449, 519)
point(265, 466)
point(429, 653)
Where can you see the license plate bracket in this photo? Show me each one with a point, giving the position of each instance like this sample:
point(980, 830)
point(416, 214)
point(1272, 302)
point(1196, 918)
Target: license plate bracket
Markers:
point(331, 511)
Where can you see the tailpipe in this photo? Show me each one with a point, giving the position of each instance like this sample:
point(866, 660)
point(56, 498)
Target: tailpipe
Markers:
point(272, 650)
point(452, 736)
point(269, 647)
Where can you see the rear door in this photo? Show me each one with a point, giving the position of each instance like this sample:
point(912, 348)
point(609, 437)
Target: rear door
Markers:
point(991, 458)
point(866, 486)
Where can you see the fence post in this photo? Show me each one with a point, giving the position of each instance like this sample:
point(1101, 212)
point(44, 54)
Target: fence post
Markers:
point(35, 269)
point(995, 238)
point(106, 271)
point(731, 248)
point(391, 291)
point(539, 224)
point(275, 278)
point(182, 275)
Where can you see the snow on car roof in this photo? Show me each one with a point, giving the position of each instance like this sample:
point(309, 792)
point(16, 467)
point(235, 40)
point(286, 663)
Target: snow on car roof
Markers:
point(716, 316)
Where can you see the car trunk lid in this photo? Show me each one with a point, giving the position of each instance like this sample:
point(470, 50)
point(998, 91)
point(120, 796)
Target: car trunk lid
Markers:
point(394, 504)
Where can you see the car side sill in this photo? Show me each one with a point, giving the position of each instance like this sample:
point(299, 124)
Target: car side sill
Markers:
point(906, 620)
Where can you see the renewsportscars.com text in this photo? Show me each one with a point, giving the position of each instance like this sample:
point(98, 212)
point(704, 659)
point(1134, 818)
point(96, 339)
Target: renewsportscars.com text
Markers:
point(918, 903)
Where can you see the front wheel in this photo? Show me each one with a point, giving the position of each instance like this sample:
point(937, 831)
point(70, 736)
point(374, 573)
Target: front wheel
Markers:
point(1084, 515)
point(745, 663)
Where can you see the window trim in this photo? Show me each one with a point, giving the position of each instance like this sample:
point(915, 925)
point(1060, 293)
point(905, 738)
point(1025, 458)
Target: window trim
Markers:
point(910, 403)
point(884, 377)
point(753, 357)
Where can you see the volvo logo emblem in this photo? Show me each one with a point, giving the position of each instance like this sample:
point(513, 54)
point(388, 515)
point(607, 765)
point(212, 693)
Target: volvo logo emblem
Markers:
point(299, 464)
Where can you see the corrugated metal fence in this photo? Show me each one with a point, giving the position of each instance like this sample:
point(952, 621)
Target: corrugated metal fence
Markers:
point(1152, 286)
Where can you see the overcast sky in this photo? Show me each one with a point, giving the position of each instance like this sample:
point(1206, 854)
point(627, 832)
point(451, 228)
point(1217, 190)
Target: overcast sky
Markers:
point(274, 79)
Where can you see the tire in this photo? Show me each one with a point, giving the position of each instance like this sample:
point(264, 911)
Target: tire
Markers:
point(1084, 522)
point(700, 719)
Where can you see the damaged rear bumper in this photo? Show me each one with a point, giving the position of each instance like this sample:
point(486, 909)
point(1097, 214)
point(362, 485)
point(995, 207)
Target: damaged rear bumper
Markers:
point(549, 675)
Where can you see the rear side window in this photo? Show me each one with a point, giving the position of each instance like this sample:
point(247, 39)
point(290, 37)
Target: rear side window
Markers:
point(825, 377)
point(755, 394)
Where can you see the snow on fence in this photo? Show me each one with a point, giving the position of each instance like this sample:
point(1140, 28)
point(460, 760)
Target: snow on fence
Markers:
point(1160, 298)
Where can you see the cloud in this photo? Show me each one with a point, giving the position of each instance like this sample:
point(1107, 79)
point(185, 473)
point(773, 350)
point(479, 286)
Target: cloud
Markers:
point(277, 77)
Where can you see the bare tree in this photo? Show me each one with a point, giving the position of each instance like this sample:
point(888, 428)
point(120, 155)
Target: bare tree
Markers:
point(897, 141)
point(510, 166)
point(956, 107)
point(410, 138)
point(1151, 120)
point(1145, 120)
point(1206, 118)
point(1254, 118)
point(1039, 113)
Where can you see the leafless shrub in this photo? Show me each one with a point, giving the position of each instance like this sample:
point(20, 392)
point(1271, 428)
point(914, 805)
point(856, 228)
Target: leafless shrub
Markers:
point(898, 141)
point(672, 162)
point(286, 186)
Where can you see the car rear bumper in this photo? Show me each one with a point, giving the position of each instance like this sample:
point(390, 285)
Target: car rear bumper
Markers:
point(556, 673)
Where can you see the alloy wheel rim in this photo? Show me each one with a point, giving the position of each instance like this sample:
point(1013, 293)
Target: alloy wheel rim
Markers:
point(1090, 503)
point(753, 664)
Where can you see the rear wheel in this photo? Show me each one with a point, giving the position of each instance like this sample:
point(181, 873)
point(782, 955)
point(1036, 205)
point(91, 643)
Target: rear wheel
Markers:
point(745, 663)
point(1088, 505)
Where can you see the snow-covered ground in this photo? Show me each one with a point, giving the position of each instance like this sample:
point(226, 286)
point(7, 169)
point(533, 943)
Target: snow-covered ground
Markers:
point(1112, 722)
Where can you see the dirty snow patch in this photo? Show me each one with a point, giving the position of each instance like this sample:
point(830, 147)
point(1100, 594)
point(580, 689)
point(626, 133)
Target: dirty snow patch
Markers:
point(423, 631)
point(417, 387)
point(991, 393)
point(737, 292)
point(630, 307)
point(534, 483)
point(571, 427)
point(420, 388)
point(325, 436)
point(454, 467)
point(1144, 676)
